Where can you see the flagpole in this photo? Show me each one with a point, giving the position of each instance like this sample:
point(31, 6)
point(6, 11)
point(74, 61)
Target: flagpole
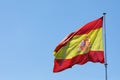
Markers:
point(105, 54)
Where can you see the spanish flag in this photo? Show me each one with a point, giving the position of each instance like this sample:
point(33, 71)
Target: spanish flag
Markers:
point(80, 47)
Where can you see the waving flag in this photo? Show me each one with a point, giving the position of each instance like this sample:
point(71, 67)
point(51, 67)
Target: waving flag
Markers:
point(81, 46)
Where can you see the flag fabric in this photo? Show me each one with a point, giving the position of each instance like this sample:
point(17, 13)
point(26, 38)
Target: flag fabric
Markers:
point(81, 46)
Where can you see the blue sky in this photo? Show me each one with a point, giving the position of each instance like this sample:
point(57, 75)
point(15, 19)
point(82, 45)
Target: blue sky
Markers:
point(31, 29)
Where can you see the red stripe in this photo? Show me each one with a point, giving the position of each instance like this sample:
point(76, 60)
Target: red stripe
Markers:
point(93, 56)
point(84, 30)
point(64, 41)
point(96, 24)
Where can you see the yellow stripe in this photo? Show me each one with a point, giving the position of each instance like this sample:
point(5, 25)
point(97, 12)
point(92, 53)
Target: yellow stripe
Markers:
point(71, 48)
